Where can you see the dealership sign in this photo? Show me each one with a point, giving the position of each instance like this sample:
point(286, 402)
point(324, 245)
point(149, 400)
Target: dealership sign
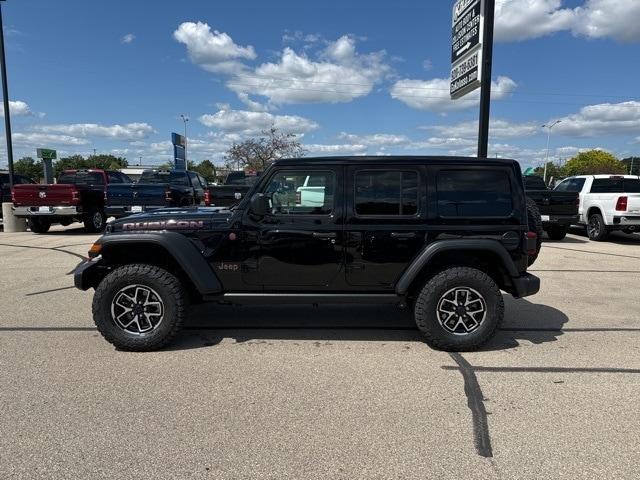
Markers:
point(466, 47)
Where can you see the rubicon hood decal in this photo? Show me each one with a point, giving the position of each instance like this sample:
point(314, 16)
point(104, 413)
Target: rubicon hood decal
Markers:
point(164, 225)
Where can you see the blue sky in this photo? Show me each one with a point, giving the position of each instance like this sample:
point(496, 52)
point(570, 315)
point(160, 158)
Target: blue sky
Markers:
point(349, 77)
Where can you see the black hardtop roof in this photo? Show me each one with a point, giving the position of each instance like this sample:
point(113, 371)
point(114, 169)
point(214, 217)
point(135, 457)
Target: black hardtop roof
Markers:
point(395, 159)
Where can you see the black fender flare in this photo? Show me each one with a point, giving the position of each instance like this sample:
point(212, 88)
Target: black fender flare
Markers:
point(184, 252)
point(439, 246)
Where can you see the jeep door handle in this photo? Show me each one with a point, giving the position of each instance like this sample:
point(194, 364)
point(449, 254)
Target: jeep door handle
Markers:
point(401, 235)
point(324, 235)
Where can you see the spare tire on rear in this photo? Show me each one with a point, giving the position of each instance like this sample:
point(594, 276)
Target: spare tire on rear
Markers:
point(535, 225)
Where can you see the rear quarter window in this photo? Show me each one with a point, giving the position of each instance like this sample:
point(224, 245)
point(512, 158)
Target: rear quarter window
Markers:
point(474, 193)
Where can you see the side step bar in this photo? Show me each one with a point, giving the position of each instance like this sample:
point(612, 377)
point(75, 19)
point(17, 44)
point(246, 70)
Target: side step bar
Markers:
point(308, 298)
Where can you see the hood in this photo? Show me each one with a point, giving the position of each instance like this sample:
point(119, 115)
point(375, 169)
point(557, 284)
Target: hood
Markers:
point(175, 219)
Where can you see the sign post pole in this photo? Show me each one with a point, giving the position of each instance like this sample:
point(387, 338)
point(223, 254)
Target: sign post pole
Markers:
point(485, 88)
point(5, 98)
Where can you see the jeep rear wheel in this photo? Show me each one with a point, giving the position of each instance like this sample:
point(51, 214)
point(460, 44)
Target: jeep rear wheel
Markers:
point(139, 307)
point(459, 309)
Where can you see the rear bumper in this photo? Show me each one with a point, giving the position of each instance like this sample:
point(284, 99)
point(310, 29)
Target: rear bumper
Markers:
point(61, 211)
point(624, 221)
point(563, 220)
point(122, 211)
point(525, 285)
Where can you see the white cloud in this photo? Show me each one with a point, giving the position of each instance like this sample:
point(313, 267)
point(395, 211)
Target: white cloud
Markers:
point(526, 19)
point(214, 51)
point(433, 95)
point(375, 139)
point(40, 139)
point(17, 108)
point(603, 119)
point(340, 74)
point(336, 149)
point(497, 129)
point(249, 122)
point(127, 132)
point(128, 38)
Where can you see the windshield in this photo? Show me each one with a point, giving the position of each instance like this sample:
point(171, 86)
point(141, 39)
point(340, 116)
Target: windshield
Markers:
point(174, 178)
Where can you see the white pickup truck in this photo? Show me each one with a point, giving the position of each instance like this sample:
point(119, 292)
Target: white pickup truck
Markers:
point(607, 203)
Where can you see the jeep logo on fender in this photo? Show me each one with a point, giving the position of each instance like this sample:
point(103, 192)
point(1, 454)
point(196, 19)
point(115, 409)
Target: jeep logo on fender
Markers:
point(165, 225)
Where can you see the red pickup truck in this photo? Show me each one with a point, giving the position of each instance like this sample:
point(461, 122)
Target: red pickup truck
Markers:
point(78, 195)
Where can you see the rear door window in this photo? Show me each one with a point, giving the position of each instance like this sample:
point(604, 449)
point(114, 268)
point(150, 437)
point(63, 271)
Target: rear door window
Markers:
point(474, 193)
point(386, 193)
point(608, 185)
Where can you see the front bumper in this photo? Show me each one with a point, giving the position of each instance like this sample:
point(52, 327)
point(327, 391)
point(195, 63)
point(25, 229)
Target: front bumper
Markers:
point(564, 220)
point(86, 274)
point(61, 211)
point(525, 285)
point(123, 211)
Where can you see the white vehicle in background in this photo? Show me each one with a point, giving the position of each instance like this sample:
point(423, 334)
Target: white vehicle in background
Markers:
point(607, 203)
point(311, 193)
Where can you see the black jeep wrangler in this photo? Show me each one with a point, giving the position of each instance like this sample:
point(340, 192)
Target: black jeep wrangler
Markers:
point(440, 235)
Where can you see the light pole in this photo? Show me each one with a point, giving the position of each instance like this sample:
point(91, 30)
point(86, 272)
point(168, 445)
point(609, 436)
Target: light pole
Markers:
point(548, 126)
point(185, 119)
point(5, 98)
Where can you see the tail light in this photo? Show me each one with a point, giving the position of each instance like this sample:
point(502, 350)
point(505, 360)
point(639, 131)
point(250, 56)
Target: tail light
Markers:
point(532, 247)
point(621, 204)
point(298, 198)
point(167, 196)
point(207, 198)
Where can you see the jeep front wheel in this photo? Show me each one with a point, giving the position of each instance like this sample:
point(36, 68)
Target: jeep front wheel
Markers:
point(459, 309)
point(139, 307)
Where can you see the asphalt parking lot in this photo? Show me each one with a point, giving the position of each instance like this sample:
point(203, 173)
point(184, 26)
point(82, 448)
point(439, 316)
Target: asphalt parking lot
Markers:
point(328, 392)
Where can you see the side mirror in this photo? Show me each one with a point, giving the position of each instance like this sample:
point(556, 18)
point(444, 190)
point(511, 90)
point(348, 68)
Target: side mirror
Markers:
point(260, 205)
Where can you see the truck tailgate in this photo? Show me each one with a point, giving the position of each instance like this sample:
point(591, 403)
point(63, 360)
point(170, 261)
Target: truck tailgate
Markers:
point(555, 203)
point(142, 194)
point(45, 195)
point(633, 202)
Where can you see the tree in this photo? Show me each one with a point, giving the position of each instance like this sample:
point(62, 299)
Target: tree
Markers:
point(632, 164)
point(259, 153)
point(28, 167)
point(206, 168)
point(593, 162)
point(553, 171)
point(105, 162)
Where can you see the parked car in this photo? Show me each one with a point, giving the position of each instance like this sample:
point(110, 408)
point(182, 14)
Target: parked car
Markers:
point(155, 189)
point(558, 209)
point(440, 235)
point(5, 188)
point(236, 186)
point(607, 203)
point(78, 195)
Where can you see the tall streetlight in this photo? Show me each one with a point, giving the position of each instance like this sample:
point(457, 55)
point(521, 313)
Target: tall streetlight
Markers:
point(5, 98)
point(548, 126)
point(185, 119)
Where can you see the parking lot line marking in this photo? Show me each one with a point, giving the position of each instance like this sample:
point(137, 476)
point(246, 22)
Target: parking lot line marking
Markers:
point(57, 249)
point(592, 252)
point(586, 271)
point(475, 401)
point(49, 291)
point(548, 369)
point(574, 330)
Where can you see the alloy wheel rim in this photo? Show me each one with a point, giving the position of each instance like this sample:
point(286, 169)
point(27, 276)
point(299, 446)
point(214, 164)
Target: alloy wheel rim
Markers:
point(97, 220)
point(461, 310)
point(594, 227)
point(137, 309)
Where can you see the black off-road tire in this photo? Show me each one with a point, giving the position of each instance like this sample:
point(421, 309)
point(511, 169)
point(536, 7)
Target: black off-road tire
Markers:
point(169, 289)
point(427, 315)
point(535, 225)
point(556, 232)
point(596, 228)
point(94, 220)
point(39, 225)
